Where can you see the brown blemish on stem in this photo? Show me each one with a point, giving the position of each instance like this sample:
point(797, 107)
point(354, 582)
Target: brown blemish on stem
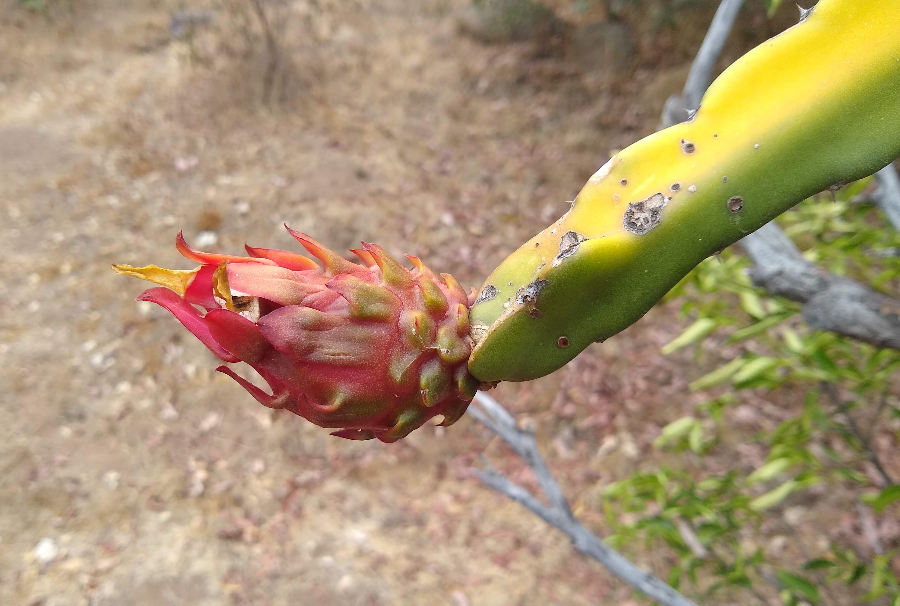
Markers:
point(488, 293)
point(563, 341)
point(568, 245)
point(688, 147)
point(735, 204)
point(529, 294)
point(641, 217)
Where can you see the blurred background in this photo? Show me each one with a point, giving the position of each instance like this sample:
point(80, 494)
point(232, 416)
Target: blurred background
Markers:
point(131, 473)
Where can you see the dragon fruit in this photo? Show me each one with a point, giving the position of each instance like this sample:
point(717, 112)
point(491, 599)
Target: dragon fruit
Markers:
point(374, 350)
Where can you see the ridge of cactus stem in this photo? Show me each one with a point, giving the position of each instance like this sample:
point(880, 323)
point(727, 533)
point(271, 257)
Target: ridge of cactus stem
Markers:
point(372, 350)
point(816, 106)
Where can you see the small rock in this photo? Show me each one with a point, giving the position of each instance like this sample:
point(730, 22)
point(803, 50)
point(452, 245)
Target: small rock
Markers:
point(345, 582)
point(257, 466)
point(608, 446)
point(746, 415)
point(72, 565)
point(460, 599)
point(630, 448)
point(776, 545)
point(104, 565)
point(186, 163)
point(111, 479)
point(46, 551)
point(206, 239)
point(168, 412)
point(210, 421)
point(794, 515)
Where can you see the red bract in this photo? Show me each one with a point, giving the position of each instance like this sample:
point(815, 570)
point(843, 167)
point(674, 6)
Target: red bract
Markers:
point(375, 349)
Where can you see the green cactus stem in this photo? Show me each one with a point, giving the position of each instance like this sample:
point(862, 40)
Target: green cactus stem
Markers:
point(817, 106)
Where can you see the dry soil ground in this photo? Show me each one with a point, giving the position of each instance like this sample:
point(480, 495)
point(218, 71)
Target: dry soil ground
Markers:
point(130, 472)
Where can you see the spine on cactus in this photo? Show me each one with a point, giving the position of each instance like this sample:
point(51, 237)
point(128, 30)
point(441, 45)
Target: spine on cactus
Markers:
point(817, 106)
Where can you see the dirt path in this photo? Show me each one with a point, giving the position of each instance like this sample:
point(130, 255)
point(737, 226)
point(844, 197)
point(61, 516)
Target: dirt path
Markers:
point(130, 473)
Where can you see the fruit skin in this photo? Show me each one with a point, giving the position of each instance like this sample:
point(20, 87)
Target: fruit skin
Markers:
point(817, 106)
point(375, 350)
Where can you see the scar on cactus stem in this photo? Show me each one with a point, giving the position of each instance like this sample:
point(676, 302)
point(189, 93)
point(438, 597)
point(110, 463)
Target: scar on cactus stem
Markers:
point(373, 350)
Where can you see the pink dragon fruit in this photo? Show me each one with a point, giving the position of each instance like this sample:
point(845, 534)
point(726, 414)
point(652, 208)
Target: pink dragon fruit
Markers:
point(375, 349)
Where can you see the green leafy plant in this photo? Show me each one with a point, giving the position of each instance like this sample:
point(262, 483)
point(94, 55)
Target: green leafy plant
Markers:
point(818, 444)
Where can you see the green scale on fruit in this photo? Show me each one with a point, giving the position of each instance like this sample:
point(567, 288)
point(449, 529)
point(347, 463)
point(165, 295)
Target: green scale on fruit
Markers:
point(815, 107)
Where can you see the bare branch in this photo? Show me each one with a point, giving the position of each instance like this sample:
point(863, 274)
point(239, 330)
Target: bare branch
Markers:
point(524, 445)
point(487, 411)
point(888, 194)
point(867, 520)
point(274, 56)
point(678, 108)
point(831, 391)
point(832, 303)
point(690, 538)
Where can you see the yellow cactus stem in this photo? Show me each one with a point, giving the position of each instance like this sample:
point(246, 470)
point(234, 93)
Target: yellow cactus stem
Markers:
point(817, 106)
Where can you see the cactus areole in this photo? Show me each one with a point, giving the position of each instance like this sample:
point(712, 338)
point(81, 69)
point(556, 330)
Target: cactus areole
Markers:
point(815, 106)
point(374, 350)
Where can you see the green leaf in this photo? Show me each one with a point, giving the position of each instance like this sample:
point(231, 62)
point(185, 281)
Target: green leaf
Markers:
point(769, 470)
point(818, 564)
point(695, 438)
point(752, 304)
point(773, 497)
point(717, 376)
point(675, 430)
point(753, 369)
point(796, 583)
point(761, 326)
point(675, 577)
point(857, 574)
point(825, 363)
point(886, 497)
point(792, 341)
point(691, 334)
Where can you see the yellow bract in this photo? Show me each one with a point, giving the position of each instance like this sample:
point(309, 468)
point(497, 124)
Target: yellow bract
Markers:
point(178, 280)
point(173, 279)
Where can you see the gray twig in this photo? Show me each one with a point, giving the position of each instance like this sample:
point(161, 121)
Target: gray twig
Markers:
point(831, 391)
point(678, 108)
point(556, 512)
point(272, 50)
point(887, 196)
point(867, 521)
point(831, 303)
